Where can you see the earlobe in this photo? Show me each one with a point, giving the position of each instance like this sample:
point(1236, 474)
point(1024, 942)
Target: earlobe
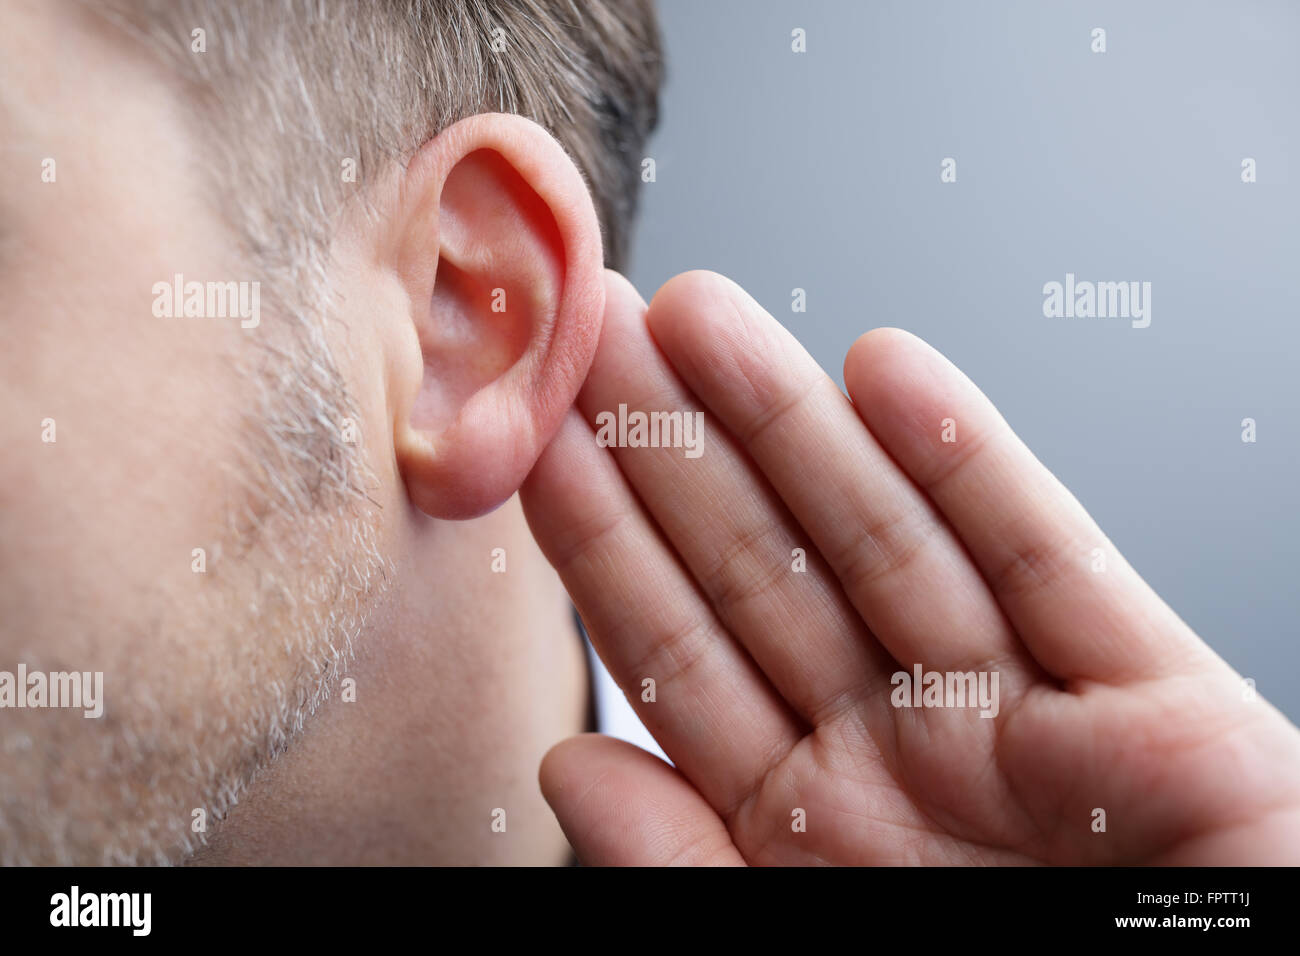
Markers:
point(499, 251)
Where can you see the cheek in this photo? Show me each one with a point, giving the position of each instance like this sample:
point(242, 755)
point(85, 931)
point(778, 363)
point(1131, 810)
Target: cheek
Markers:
point(124, 489)
point(117, 422)
point(117, 426)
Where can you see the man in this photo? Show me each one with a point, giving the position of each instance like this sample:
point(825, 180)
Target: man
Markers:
point(270, 521)
point(243, 506)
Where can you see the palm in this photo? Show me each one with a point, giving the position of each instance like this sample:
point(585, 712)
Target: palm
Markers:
point(1027, 790)
point(767, 590)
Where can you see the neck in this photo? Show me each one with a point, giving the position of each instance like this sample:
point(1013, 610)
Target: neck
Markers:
point(468, 677)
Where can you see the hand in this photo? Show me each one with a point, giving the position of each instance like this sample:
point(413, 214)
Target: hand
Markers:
point(1119, 736)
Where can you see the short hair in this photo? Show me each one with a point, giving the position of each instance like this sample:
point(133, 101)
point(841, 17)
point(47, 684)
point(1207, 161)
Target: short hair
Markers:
point(289, 90)
point(286, 93)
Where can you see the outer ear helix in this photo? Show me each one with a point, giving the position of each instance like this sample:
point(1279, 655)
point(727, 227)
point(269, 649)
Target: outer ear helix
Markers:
point(506, 323)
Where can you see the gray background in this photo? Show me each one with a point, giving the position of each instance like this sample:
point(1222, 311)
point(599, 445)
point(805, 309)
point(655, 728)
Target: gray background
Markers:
point(821, 170)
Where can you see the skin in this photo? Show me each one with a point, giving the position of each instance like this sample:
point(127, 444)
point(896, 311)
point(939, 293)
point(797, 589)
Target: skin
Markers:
point(773, 687)
point(463, 677)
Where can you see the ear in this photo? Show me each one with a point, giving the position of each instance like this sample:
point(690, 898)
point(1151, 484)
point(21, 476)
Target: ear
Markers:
point(498, 248)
